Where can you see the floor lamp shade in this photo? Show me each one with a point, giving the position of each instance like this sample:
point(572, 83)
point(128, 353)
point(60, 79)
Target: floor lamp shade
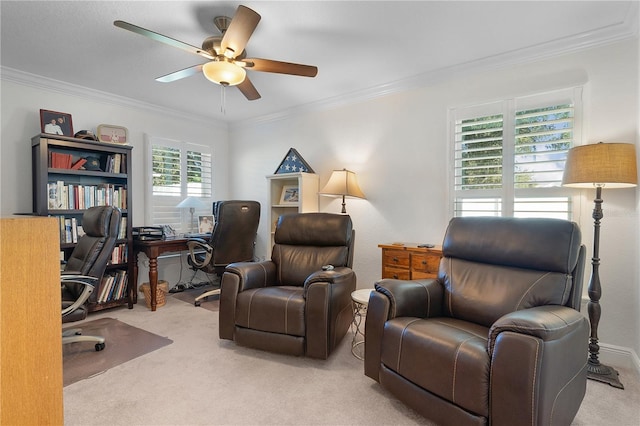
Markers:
point(600, 165)
point(343, 183)
point(612, 165)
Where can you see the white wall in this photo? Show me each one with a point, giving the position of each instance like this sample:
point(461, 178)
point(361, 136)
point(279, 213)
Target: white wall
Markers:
point(398, 146)
point(22, 98)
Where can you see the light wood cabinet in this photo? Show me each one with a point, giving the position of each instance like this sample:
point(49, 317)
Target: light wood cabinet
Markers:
point(407, 261)
point(31, 317)
point(305, 199)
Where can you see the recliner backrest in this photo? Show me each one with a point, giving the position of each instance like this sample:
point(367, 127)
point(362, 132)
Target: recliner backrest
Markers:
point(304, 242)
point(234, 232)
point(495, 265)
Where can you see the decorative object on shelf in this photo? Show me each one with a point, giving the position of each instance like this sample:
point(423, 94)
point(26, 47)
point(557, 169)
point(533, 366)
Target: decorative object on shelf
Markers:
point(290, 194)
point(293, 163)
point(192, 203)
point(86, 134)
point(112, 134)
point(343, 183)
point(205, 224)
point(611, 165)
point(55, 123)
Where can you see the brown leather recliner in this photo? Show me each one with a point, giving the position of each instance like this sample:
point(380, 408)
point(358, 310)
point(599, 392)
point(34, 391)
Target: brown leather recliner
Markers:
point(299, 302)
point(497, 338)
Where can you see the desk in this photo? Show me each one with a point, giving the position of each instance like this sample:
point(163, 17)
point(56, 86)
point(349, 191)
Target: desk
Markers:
point(153, 249)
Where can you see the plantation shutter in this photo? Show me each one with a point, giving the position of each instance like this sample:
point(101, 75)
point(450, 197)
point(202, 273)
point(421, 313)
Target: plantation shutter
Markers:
point(177, 170)
point(509, 156)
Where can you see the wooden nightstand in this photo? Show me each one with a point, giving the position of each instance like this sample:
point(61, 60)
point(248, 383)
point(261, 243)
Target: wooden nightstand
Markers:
point(407, 261)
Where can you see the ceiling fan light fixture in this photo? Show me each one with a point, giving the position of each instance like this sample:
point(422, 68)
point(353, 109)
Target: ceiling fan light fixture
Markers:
point(224, 73)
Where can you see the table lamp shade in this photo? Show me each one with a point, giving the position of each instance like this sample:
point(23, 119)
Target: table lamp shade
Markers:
point(611, 165)
point(343, 182)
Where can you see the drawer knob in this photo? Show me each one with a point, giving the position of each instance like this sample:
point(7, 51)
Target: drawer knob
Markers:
point(395, 259)
point(424, 262)
point(395, 276)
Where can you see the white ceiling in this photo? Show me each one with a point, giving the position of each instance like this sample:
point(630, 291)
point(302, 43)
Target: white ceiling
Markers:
point(359, 47)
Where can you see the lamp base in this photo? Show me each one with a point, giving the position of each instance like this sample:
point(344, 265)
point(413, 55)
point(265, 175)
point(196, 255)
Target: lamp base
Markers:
point(603, 373)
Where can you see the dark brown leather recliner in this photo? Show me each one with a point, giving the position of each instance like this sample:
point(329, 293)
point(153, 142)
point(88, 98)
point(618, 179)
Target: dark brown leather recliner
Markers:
point(497, 338)
point(291, 304)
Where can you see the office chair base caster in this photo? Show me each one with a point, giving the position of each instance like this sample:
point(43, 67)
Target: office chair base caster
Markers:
point(99, 347)
point(205, 296)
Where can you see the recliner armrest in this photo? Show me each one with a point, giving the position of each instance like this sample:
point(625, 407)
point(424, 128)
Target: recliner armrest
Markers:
point(333, 276)
point(549, 322)
point(253, 274)
point(416, 298)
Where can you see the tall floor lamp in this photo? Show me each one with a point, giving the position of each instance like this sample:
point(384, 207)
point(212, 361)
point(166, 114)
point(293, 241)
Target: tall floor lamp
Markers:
point(343, 183)
point(610, 165)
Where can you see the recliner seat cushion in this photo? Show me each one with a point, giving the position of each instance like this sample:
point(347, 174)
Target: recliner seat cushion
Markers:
point(483, 293)
point(445, 356)
point(273, 309)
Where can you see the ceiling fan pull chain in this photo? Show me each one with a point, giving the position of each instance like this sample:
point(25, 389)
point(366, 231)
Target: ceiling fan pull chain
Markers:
point(223, 108)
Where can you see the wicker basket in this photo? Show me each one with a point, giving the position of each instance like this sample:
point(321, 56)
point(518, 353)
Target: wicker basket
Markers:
point(161, 291)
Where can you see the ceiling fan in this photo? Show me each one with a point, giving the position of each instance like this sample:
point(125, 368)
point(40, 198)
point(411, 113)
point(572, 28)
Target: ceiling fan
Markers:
point(226, 54)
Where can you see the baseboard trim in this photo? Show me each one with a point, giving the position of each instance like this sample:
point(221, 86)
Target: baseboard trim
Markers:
point(619, 356)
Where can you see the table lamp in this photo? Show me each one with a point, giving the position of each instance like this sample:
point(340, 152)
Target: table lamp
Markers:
point(192, 203)
point(343, 183)
point(600, 165)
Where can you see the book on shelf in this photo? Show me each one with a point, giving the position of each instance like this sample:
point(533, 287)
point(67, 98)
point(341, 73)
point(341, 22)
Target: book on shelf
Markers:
point(78, 164)
point(113, 287)
point(63, 196)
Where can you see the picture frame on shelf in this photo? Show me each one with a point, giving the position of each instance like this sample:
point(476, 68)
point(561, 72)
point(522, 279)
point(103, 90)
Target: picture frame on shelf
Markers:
point(56, 123)
point(113, 134)
point(205, 224)
point(290, 194)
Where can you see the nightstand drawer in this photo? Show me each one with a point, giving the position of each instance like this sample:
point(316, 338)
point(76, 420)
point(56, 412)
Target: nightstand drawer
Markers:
point(397, 258)
point(428, 263)
point(397, 273)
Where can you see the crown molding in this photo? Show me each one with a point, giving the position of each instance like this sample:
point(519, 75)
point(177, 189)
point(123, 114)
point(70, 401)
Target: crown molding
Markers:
point(57, 86)
point(623, 30)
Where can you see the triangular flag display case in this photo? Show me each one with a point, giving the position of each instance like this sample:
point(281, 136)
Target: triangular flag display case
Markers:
point(293, 163)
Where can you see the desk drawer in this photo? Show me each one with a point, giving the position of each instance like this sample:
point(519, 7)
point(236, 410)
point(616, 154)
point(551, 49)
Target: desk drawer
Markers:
point(425, 262)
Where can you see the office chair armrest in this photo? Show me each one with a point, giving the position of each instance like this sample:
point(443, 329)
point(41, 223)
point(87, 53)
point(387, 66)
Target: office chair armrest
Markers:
point(199, 244)
point(88, 285)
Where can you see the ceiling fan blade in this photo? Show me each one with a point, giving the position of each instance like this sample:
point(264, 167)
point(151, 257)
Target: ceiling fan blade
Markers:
point(242, 25)
point(248, 90)
point(268, 65)
point(187, 72)
point(162, 38)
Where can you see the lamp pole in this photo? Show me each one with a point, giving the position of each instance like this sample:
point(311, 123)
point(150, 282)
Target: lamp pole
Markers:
point(596, 370)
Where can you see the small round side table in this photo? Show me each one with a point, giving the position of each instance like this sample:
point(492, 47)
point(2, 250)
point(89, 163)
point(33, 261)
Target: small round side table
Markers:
point(360, 300)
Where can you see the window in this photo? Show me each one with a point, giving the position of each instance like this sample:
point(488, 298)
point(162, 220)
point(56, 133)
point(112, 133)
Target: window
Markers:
point(177, 170)
point(509, 156)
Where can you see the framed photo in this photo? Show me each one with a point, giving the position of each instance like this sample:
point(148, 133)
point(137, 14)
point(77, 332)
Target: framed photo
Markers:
point(205, 224)
point(112, 134)
point(290, 195)
point(56, 123)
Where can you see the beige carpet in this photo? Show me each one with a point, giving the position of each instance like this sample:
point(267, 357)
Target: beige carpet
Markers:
point(202, 380)
point(123, 343)
point(212, 303)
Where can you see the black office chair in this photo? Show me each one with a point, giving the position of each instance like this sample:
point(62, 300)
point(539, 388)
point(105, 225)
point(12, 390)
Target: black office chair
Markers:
point(232, 240)
point(85, 267)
